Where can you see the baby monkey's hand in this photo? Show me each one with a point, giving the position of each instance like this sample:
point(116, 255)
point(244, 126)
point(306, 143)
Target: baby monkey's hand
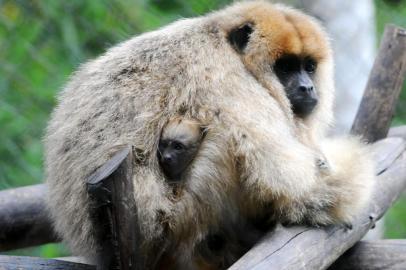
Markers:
point(323, 165)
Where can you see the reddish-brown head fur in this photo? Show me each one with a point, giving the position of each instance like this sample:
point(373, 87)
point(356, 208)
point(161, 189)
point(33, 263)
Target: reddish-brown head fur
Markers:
point(287, 31)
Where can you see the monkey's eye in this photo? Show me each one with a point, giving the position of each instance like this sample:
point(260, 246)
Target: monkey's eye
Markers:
point(163, 143)
point(310, 65)
point(287, 64)
point(178, 146)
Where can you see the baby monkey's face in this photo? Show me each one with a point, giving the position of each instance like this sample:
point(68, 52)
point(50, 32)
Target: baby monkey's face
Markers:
point(175, 156)
point(178, 145)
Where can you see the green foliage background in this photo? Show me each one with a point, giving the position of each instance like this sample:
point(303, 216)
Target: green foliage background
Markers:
point(43, 41)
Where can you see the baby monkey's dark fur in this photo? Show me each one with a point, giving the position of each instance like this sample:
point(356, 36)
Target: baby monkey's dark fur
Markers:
point(178, 145)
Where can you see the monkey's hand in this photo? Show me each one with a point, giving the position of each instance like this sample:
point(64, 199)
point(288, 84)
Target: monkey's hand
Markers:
point(323, 165)
point(349, 180)
point(342, 187)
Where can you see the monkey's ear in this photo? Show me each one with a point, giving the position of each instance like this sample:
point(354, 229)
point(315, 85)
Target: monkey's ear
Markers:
point(203, 131)
point(240, 36)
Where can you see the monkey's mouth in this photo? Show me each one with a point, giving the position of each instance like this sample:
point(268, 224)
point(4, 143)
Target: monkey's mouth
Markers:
point(306, 100)
point(303, 106)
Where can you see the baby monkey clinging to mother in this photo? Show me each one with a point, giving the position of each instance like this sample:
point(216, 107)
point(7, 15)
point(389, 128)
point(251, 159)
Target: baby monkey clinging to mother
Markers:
point(178, 145)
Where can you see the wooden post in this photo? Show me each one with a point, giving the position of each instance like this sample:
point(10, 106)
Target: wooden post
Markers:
point(114, 213)
point(383, 88)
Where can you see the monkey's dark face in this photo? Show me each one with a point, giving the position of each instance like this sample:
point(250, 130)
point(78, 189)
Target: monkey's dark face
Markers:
point(289, 47)
point(296, 75)
point(174, 157)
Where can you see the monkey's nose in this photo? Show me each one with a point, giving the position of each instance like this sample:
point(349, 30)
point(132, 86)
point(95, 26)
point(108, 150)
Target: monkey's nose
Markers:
point(306, 89)
point(167, 159)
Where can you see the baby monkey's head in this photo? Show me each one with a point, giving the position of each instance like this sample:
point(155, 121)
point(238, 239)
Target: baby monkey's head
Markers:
point(178, 145)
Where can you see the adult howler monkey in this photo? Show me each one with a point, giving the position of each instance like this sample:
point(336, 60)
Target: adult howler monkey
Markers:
point(258, 159)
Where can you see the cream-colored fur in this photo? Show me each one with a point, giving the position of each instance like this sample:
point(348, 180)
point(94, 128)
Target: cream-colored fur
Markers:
point(182, 129)
point(255, 152)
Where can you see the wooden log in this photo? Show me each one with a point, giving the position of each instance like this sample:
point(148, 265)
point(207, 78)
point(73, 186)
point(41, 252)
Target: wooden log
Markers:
point(373, 255)
point(30, 263)
point(384, 152)
point(399, 131)
point(383, 88)
point(23, 219)
point(298, 247)
point(114, 213)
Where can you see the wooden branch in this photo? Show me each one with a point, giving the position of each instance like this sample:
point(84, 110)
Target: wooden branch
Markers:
point(383, 88)
point(373, 255)
point(309, 248)
point(399, 131)
point(114, 213)
point(385, 152)
point(365, 255)
point(30, 263)
point(300, 247)
point(23, 219)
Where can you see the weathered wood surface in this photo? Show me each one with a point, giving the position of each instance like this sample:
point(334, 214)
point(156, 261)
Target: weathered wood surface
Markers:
point(374, 255)
point(30, 263)
point(114, 213)
point(300, 247)
point(23, 218)
point(384, 85)
point(384, 152)
point(365, 255)
point(399, 131)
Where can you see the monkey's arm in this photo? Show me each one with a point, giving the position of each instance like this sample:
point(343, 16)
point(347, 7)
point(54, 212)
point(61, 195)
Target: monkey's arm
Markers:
point(274, 168)
point(339, 193)
point(284, 174)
